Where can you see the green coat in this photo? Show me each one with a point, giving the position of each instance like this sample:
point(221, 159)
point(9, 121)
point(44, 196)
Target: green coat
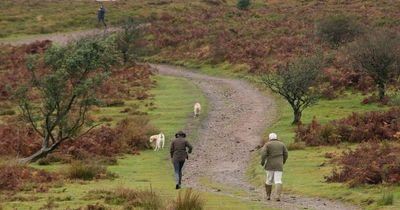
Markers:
point(178, 149)
point(273, 155)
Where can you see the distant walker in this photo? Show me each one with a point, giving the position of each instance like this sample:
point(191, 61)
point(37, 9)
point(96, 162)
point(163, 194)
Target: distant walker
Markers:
point(101, 15)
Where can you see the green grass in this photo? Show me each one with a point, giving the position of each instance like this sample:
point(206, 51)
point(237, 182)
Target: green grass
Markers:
point(303, 173)
point(174, 99)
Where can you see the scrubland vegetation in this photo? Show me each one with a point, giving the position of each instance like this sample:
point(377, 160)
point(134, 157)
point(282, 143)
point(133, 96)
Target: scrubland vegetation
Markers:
point(346, 148)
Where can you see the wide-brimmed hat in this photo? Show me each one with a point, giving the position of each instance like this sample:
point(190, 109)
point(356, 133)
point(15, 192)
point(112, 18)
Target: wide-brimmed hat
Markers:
point(180, 134)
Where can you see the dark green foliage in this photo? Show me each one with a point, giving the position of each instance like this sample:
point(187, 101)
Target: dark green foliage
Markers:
point(337, 29)
point(296, 82)
point(243, 4)
point(378, 54)
point(67, 90)
point(127, 39)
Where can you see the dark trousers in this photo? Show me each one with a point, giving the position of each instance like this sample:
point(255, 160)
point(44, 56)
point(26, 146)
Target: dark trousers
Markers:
point(178, 165)
point(101, 20)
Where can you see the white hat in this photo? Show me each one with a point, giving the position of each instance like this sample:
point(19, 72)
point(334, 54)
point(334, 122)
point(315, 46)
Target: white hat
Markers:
point(273, 136)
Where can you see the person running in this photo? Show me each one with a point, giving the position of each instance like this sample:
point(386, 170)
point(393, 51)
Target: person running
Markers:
point(179, 154)
point(101, 15)
point(273, 157)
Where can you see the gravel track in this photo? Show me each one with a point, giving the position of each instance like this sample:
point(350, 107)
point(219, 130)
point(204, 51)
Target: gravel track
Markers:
point(238, 114)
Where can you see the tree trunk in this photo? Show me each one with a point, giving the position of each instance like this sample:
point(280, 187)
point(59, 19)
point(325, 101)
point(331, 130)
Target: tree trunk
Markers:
point(381, 89)
point(39, 154)
point(297, 117)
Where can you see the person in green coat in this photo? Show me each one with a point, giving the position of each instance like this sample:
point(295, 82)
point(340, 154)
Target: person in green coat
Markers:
point(273, 156)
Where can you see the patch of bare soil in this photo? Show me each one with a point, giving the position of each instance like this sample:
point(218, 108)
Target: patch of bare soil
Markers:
point(238, 114)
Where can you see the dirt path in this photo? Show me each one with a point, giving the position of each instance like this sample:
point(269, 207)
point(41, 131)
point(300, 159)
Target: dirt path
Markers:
point(237, 117)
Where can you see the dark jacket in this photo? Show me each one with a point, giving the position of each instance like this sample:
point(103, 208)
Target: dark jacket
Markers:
point(274, 155)
point(178, 149)
point(101, 13)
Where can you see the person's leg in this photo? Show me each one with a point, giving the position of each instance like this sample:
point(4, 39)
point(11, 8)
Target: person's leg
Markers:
point(181, 163)
point(176, 170)
point(104, 22)
point(268, 184)
point(278, 183)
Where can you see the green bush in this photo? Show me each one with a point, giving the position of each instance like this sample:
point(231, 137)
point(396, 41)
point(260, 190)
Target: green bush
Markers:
point(189, 201)
point(243, 4)
point(386, 199)
point(337, 29)
point(79, 170)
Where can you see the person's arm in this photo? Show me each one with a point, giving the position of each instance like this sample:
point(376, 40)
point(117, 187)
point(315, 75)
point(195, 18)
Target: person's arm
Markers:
point(264, 154)
point(172, 149)
point(189, 146)
point(285, 154)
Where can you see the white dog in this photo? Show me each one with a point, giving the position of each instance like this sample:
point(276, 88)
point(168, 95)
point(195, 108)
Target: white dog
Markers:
point(197, 109)
point(160, 141)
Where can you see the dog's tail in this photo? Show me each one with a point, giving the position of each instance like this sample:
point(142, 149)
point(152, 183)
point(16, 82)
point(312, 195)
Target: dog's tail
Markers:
point(162, 139)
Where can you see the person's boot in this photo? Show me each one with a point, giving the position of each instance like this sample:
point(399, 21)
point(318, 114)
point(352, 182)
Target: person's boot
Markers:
point(177, 187)
point(268, 190)
point(278, 192)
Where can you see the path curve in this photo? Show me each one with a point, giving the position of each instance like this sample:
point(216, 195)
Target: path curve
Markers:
point(238, 115)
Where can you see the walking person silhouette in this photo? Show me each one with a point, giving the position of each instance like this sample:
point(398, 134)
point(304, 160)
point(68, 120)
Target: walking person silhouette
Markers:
point(101, 16)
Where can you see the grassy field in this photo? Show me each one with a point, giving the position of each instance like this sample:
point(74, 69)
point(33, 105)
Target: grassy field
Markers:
point(305, 169)
point(174, 99)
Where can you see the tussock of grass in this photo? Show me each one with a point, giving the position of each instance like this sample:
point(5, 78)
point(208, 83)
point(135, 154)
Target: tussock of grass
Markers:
point(189, 201)
point(129, 198)
point(386, 199)
point(84, 171)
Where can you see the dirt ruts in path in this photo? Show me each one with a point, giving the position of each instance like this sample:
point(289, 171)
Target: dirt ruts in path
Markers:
point(238, 114)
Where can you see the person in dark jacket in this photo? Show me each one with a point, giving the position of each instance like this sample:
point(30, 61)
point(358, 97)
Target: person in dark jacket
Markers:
point(101, 15)
point(180, 148)
point(273, 157)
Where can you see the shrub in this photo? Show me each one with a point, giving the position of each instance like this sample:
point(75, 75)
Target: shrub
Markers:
point(386, 199)
point(134, 132)
point(243, 4)
point(16, 177)
point(370, 163)
point(17, 138)
point(337, 29)
point(370, 126)
point(296, 146)
point(189, 201)
point(84, 171)
point(377, 54)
